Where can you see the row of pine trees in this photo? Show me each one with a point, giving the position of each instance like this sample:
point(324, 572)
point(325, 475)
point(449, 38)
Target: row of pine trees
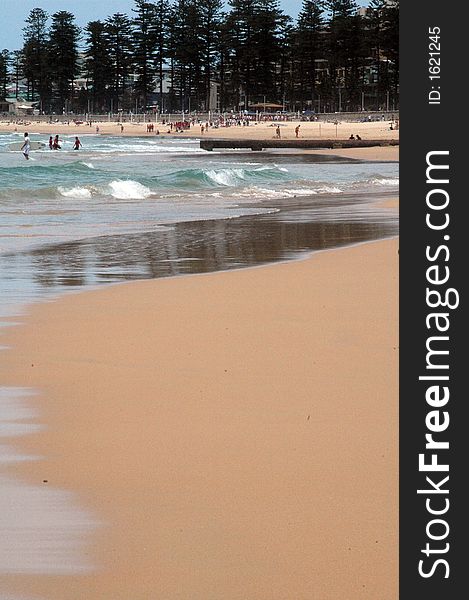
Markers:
point(331, 58)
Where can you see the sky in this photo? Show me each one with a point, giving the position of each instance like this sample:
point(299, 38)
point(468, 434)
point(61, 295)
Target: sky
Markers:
point(13, 13)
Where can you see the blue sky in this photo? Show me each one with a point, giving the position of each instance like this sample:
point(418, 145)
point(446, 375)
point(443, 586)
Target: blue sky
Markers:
point(13, 13)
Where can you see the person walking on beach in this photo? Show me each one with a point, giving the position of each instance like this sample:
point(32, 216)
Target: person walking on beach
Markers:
point(77, 144)
point(277, 131)
point(297, 131)
point(26, 147)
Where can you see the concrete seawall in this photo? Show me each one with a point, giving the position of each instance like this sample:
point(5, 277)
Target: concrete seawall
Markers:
point(294, 144)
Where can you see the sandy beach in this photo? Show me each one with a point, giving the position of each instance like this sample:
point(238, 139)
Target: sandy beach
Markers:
point(235, 433)
point(257, 131)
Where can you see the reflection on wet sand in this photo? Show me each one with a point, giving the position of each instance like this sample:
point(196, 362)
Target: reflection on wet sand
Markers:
point(203, 246)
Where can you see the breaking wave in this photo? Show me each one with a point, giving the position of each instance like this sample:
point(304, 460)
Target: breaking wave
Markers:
point(75, 192)
point(128, 190)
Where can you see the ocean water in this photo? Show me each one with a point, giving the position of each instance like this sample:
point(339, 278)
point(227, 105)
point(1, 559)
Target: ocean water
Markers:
point(124, 207)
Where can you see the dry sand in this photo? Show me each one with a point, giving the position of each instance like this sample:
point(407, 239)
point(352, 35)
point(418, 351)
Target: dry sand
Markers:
point(317, 130)
point(374, 153)
point(237, 432)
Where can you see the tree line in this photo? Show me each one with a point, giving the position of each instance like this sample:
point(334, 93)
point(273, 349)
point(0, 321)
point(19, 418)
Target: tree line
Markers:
point(173, 53)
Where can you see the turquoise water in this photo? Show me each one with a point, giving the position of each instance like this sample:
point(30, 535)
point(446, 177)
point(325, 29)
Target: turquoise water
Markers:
point(123, 186)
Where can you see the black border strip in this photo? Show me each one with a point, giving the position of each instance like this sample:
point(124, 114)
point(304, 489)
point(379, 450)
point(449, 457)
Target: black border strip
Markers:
point(424, 128)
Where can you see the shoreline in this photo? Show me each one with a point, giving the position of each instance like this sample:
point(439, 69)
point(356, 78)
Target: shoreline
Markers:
point(235, 426)
point(260, 133)
point(280, 236)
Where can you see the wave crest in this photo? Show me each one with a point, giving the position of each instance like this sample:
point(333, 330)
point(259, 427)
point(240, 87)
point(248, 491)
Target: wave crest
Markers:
point(75, 192)
point(222, 177)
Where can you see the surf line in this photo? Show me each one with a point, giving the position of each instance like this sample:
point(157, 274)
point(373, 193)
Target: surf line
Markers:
point(440, 299)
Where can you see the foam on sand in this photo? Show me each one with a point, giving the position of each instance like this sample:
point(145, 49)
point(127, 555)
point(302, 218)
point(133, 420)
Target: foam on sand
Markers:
point(385, 181)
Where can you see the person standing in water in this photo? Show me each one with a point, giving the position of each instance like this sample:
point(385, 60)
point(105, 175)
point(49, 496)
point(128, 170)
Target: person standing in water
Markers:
point(51, 143)
point(77, 144)
point(26, 147)
point(56, 144)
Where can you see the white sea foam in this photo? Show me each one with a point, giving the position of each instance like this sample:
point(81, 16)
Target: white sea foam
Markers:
point(307, 191)
point(385, 181)
point(129, 190)
point(87, 164)
point(329, 190)
point(75, 192)
point(231, 177)
point(272, 168)
point(142, 148)
point(227, 177)
point(256, 192)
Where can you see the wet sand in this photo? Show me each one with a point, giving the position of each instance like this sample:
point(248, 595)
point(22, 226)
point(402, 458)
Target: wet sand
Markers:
point(302, 224)
point(236, 432)
point(392, 203)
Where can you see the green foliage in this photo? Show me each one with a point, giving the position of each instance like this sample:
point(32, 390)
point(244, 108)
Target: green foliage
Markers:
point(309, 46)
point(144, 48)
point(63, 58)
point(255, 34)
point(173, 52)
point(97, 67)
point(4, 63)
point(118, 37)
point(36, 56)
